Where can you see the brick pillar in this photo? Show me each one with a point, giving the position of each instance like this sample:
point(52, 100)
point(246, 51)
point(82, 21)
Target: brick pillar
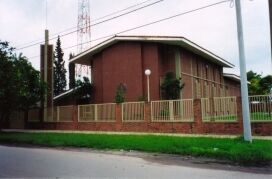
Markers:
point(75, 116)
point(118, 117)
point(147, 116)
point(197, 125)
point(239, 114)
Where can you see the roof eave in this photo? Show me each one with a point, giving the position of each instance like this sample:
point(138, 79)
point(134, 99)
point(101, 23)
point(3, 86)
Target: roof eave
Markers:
point(181, 41)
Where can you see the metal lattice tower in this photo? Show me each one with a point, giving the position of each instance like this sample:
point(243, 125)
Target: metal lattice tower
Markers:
point(83, 34)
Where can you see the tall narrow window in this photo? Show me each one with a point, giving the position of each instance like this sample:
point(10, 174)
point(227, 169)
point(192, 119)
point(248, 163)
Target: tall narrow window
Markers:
point(197, 68)
point(214, 74)
point(227, 91)
point(197, 89)
point(206, 71)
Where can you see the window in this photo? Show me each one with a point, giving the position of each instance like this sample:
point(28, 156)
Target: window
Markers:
point(206, 71)
point(227, 91)
point(197, 89)
point(197, 68)
point(214, 74)
point(214, 90)
point(206, 90)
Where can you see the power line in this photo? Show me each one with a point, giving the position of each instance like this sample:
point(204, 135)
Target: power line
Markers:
point(94, 24)
point(71, 28)
point(115, 12)
point(154, 22)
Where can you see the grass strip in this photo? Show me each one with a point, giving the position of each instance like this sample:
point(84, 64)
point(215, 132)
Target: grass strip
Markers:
point(257, 153)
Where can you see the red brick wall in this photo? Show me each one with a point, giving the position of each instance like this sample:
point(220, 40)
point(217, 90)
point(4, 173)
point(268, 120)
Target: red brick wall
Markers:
point(125, 62)
point(97, 78)
point(233, 87)
point(150, 56)
point(122, 64)
point(187, 66)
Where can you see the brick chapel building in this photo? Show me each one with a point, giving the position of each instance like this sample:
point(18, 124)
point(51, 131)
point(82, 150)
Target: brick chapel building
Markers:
point(123, 59)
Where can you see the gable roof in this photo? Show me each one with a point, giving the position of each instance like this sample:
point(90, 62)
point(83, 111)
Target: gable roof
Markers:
point(65, 93)
point(232, 77)
point(83, 57)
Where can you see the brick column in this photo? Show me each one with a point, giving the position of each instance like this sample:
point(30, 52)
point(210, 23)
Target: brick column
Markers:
point(147, 116)
point(197, 125)
point(75, 116)
point(239, 114)
point(118, 117)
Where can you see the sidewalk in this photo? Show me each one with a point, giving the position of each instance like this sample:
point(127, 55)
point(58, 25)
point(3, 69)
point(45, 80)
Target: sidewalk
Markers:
point(132, 133)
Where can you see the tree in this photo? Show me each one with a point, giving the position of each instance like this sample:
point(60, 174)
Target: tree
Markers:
point(72, 80)
point(171, 86)
point(120, 93)
point(83, 90)
point(59, 70)
point(258, 85)
point(254, 80)
point(8, 85)
point(266, 84)
point(30, 85)
point(20, 85)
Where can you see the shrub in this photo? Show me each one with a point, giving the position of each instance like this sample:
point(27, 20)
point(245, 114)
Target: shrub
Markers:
point(120, 93)
point(171, 86)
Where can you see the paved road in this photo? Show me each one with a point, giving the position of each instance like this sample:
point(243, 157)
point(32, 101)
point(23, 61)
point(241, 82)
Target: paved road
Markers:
point(42, 162)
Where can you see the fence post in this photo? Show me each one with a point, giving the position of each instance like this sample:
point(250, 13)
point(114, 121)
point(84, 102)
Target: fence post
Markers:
point(197, 125)
point(75, 116)
point(147, 115)
point(118, 117)
point(239, 114)
point(95, 112)
point(212, 108)
point(171, 111)
point(122, 111)
point(57, 113)
point(148, 112)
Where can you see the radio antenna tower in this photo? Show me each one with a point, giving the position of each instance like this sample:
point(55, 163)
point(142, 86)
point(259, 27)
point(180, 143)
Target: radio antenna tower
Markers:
point(83, 34)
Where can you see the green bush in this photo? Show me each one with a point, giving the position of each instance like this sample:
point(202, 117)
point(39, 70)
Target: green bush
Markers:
point(120, 93)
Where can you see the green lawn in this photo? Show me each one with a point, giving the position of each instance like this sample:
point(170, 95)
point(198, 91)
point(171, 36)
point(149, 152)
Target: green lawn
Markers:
point(236, 150)
point(261, 116)
point(257, 116)
point(227, 118)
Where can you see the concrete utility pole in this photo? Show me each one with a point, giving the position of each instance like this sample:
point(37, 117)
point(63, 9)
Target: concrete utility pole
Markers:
point(244, 89)
point(45, 73)
point(47, 77)
point(270, 20)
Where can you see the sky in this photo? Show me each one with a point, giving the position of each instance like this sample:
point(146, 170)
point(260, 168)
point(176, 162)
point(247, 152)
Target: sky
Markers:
point(214, 28)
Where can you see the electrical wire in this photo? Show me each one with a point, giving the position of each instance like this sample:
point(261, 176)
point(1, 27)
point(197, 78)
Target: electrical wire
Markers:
point(29, 44)
point(151, 23)
point(154, 22)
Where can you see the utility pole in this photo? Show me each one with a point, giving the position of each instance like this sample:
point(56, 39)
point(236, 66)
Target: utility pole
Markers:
point(47, 77)
point(45, 110)
point(270, 21)
point(244, 88)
